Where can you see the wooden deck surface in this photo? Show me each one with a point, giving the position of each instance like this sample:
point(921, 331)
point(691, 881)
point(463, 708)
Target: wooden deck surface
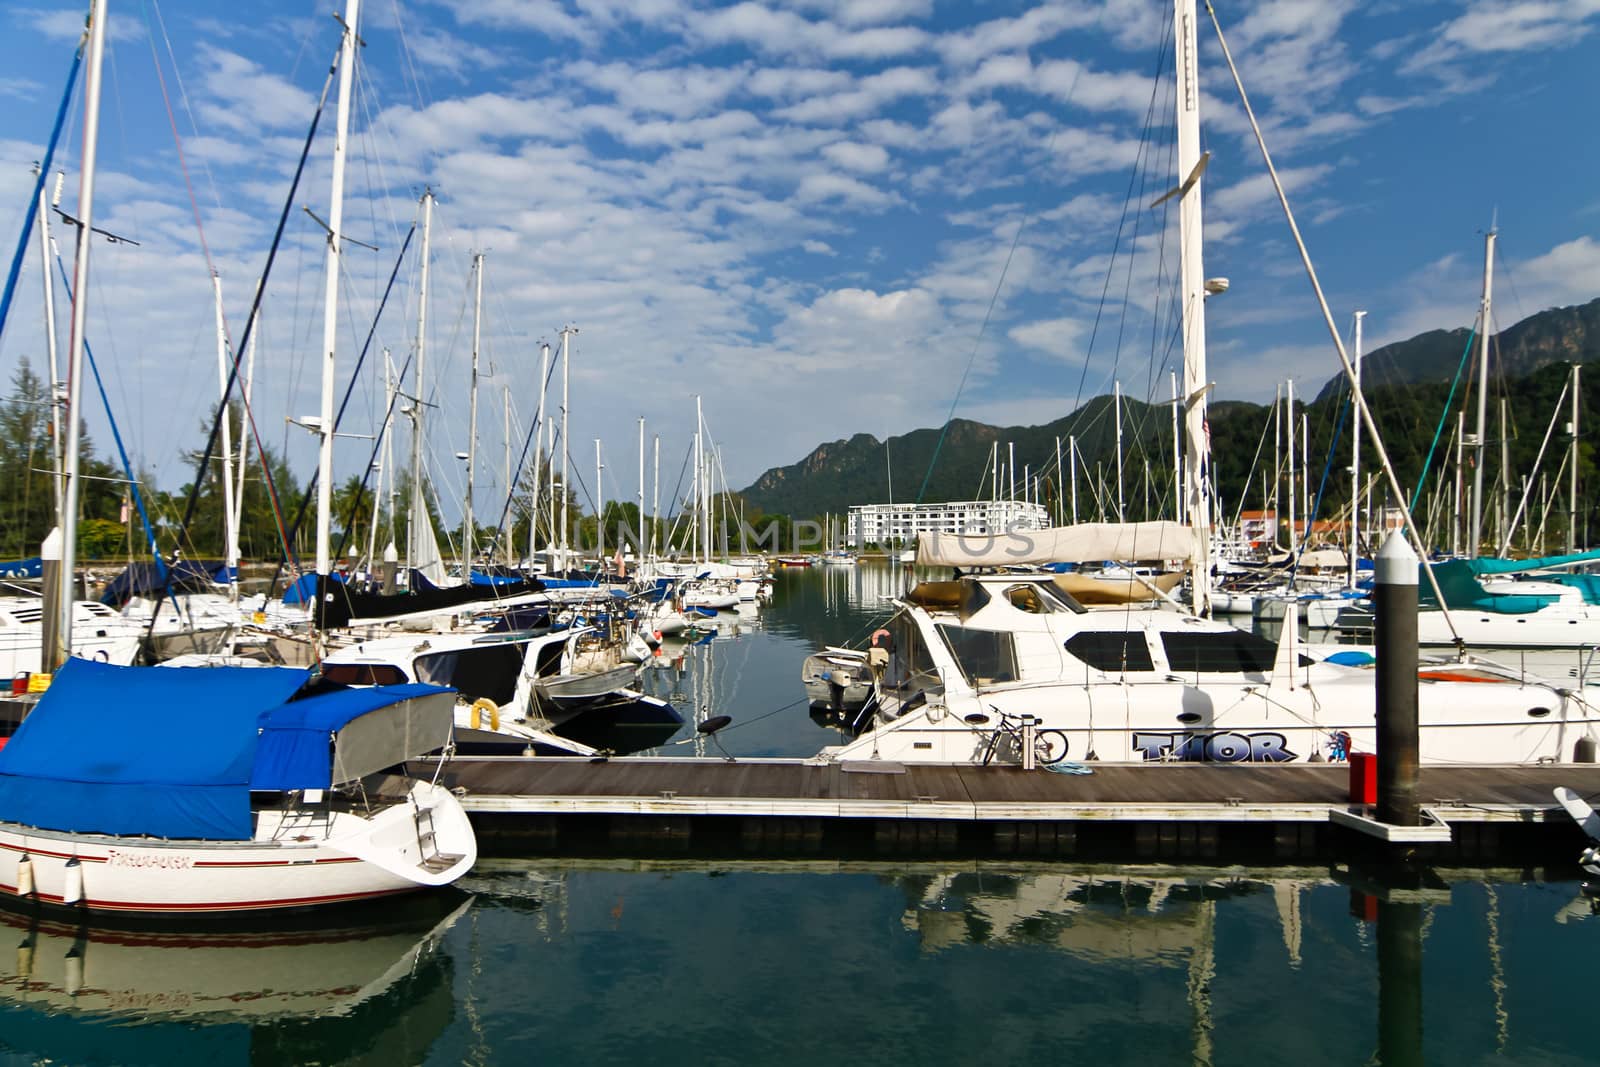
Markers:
point(1208, 792)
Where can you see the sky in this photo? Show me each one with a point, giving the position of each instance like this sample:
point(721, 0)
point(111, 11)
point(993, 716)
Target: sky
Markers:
point(822, 218)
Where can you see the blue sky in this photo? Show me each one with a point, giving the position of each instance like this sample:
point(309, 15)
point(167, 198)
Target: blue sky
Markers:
point(803, 213)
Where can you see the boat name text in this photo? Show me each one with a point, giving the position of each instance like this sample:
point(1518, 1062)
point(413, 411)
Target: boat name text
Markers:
point(1214, 748)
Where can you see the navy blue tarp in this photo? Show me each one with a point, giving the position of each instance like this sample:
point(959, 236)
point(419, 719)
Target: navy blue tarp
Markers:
point(169, 752)
point(295, 750)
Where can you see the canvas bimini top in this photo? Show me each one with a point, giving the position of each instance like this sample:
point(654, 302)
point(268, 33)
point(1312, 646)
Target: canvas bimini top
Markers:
point(174, 752)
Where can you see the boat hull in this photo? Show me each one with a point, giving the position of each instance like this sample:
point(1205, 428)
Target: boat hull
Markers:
point(298, 861)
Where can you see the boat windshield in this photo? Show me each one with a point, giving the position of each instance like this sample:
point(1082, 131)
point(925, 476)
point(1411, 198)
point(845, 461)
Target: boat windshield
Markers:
point(985, 657)
point(1113, 652)
point(1227, 652)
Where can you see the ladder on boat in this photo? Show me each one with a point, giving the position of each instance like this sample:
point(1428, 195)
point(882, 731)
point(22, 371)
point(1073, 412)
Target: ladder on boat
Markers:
point(432, 861)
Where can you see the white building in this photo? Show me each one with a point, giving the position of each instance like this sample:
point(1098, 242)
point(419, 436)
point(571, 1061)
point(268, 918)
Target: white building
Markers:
point(878, 524)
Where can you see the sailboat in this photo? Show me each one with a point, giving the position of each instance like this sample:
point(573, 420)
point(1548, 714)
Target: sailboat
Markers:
point(276, 792)
point(1010, 655)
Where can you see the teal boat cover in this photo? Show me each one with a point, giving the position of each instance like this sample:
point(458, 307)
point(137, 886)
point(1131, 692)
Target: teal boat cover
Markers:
point(1458, 581)
point(173, 752)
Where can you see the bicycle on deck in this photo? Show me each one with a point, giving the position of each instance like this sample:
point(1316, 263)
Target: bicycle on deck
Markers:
point(1007, 739)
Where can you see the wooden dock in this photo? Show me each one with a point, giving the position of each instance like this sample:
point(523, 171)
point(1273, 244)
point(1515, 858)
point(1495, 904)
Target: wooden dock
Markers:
point(1205, 811)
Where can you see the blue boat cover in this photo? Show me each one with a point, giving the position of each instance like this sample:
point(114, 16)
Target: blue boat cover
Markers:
point(169, 751)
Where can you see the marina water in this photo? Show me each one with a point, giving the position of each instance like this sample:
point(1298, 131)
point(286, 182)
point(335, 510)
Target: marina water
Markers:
point(669, 960)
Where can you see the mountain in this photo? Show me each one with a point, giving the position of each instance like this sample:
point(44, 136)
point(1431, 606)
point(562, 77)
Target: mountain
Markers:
point(1406, 384)
point(1558, 335)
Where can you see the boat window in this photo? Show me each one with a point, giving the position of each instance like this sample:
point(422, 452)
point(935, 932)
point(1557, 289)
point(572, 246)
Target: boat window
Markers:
point(364, 674)
point(984, 656)
point(1027, 598)
point(490, 671)
point(1112, 652)
point(1229, 652)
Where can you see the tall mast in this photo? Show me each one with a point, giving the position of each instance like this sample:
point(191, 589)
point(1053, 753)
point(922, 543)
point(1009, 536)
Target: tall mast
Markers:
point(80, 312)
point(46, 272)
point(640, 531)
point(505, 532)
point(1355, 464)
point(1294, 490)
point(1117, 405)
point(330, 319)
point(1572, 466)
point(1060, 507)
point(1197, 446)
point(1485, 319)
point(1072, 462)
point(1505, 531)
point(385, 470)
point(244, 425)
point(1177, 454)
point(469, 534)
point(566, 368)
point(230, 529)
point(703, 516)
point(539, 429)
point(655, 498)
point(599, 507)
point(419, 504)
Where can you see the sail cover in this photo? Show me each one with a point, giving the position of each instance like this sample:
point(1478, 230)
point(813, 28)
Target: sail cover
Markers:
point(172, 752)
point(1084, 543)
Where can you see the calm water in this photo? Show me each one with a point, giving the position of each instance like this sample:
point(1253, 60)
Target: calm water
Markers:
point(669, 962)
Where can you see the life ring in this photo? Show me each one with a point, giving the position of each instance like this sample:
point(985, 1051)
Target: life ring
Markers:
point(482, 706)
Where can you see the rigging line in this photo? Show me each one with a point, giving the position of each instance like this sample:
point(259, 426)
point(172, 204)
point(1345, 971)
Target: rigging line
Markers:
point(1127, 199)
point(38, 188)
point(233, 372)
point(183, 94)
point(994, 298)
point(1322, 486)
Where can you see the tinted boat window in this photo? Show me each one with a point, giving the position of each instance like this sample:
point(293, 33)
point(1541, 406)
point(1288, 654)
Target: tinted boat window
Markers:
point(1112, 652)
point(1219, 653)
point(984, 656)
point(364, 674)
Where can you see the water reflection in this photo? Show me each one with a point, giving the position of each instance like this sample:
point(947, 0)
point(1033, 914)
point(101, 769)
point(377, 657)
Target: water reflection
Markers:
point(357, 981)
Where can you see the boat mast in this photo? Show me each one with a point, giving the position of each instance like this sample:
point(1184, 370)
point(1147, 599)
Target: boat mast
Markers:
point(1355, 463)
point(1177, 453)
point(468, 535)
point(45, 273)
point(1294, 490)
point(1484, 320)
point(385, 470)
point(230, 529)
point(599, 507)
point(1117, 405)
point(244, 426)
point(1572, 464)
point(539, 431)
point(566, 367)
point(655, 499)
point(639, 533)
point(330, 320)
point(419, 505)
point(54, 657)
point(505, 532)
point(1072, 461)
point(1191, 164)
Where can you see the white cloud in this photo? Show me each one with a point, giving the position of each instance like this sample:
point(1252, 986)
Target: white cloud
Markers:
point(1062, 338)
point(861, 158)
point(818, 248)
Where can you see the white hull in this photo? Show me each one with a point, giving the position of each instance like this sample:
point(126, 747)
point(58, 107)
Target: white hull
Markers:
point(98, 633)
point(296, 861)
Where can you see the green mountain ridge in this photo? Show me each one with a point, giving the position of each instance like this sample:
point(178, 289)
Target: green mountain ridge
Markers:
point(1406, 384)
